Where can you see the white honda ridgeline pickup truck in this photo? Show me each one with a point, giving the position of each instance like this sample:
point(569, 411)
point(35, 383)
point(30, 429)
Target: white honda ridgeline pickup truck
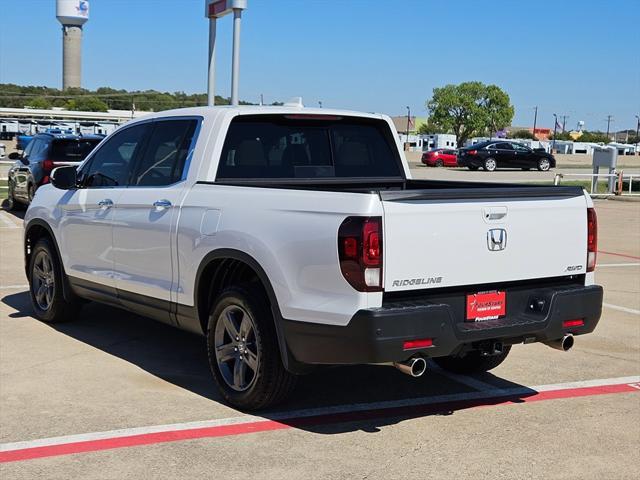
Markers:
point(293, 237)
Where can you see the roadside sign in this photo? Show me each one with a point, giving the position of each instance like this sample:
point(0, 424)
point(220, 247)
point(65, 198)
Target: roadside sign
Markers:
point(219, 8)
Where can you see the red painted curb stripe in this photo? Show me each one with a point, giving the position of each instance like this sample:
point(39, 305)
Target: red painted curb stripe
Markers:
point(619, 255)
point(269, 425)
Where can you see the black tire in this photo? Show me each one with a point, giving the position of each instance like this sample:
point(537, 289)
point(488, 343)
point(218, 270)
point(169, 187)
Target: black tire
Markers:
point(472, 168)
point(472, 362)
point(544, 165)
point(269, 383)
point(439, 163)
point(490, 164)
point(55, 308)
point(32, 192)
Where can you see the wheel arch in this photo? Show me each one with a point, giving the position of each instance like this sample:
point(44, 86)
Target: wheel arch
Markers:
point(34, 231)
point(225, 267)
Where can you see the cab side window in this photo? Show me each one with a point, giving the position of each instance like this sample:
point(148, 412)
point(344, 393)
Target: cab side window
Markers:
point(112, 164)
point(165, 154)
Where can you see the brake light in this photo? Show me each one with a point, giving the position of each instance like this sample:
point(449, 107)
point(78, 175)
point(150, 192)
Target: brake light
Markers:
point(422, 343)
point(592, 239)
point(360, 252)
point(472, 152)
point(573, 323)
point(47, 165)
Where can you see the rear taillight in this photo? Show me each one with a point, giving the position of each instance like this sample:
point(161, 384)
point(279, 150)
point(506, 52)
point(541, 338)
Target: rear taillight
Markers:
point(472, 152)
point(47, 165)
point(360, 252)
point(592, 239)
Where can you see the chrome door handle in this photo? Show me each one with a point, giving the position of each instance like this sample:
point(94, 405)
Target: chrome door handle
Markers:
point(106, 203)
point(161, 204)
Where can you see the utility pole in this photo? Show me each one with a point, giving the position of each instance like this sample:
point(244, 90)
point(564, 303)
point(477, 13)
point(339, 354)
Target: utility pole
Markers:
point(609, 117)
point(261, 100)
point(535, 120)
point(555, 130)
point(637, 132)
point(564, 122)
point(408, 123)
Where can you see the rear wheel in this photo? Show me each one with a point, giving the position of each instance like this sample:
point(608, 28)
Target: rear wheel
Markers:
point(544, 164)
point(472, 362)
point(439, 163)
point(32, 192)
point(490, 164)
point(45, 285)
point(243, 350)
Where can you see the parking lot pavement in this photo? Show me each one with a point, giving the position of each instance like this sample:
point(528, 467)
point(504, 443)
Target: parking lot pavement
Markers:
point(140, 397)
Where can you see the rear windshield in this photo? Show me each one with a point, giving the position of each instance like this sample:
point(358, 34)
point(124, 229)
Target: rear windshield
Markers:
point(305, 146)
point(68, 150)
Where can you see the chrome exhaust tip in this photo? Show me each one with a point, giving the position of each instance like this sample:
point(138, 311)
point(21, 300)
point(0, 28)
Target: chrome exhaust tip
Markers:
point(414, 367)
point(564, 344)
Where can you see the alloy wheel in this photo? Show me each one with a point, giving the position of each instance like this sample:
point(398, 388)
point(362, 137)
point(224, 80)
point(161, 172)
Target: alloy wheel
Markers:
point(43, 280)
point(236, 348)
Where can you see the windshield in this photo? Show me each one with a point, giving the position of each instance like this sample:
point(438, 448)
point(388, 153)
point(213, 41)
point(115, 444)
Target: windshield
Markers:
point(308, 146)
point(72, 150)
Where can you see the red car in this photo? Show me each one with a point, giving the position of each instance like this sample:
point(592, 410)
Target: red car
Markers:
point(440, 157)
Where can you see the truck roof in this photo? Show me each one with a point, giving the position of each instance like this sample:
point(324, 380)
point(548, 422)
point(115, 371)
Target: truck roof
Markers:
point(233, 110)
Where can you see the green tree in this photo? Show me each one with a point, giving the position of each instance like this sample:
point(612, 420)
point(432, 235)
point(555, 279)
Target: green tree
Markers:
point(430, 128)
point(39, 102)
point(522, 134)
point(87, 104)
point(470, 109)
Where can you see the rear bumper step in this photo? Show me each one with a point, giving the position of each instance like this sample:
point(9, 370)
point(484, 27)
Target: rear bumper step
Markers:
point(377, 335)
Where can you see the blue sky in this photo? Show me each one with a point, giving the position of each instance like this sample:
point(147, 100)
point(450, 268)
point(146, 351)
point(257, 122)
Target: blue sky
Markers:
point(579, 58)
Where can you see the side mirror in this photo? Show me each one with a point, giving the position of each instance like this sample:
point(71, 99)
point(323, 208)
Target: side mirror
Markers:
point(64, 178)
point(15, 156)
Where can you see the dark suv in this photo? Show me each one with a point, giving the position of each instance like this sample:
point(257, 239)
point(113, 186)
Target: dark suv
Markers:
point(502, 154)
point(45, 152)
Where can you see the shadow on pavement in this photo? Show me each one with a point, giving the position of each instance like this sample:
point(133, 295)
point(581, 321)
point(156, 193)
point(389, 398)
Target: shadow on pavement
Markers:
point(180, 358)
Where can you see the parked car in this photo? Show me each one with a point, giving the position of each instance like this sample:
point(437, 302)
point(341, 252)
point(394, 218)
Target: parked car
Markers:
point(291, 238)
point(440, 157)
point(495, 154)
point(44, 152)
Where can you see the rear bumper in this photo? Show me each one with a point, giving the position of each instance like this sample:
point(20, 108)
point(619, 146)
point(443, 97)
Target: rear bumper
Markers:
point(377, 335)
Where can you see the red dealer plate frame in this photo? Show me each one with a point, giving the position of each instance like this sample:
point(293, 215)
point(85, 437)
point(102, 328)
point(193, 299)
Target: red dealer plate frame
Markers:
point(486, 305)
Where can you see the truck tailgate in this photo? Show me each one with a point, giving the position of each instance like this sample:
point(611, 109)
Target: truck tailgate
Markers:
point(432, 243)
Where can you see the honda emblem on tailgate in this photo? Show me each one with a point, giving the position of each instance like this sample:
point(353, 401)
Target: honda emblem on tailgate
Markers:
point(497, 239)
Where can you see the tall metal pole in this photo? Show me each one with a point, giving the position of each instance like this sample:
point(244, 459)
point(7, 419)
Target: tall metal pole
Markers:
point(608, 125)
point(408, 123)
point(211, 80)
point(555, 130)
point(637, 132)
point(535, 120)
point(235, 72)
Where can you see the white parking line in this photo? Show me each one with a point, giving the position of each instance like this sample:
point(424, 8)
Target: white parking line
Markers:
point(621, 309)
point(13, 287)
point(313, 412)
point(606, 265)
point(8, 223)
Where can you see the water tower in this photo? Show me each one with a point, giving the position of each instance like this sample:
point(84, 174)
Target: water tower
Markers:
point(72, 14)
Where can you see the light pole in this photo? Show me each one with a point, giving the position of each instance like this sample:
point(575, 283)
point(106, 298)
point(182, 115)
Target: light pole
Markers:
point(608, 125)
point(555, 130)
point(637, 131)
point(535, 120)
point(408, 123)
point(215, 9)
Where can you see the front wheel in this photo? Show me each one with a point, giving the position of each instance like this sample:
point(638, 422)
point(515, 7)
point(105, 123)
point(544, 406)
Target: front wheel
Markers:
point(243, 350)
point(439, 163)
point(472, 362)
point(544, 164)
point(45, 285)
point(490, 164)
